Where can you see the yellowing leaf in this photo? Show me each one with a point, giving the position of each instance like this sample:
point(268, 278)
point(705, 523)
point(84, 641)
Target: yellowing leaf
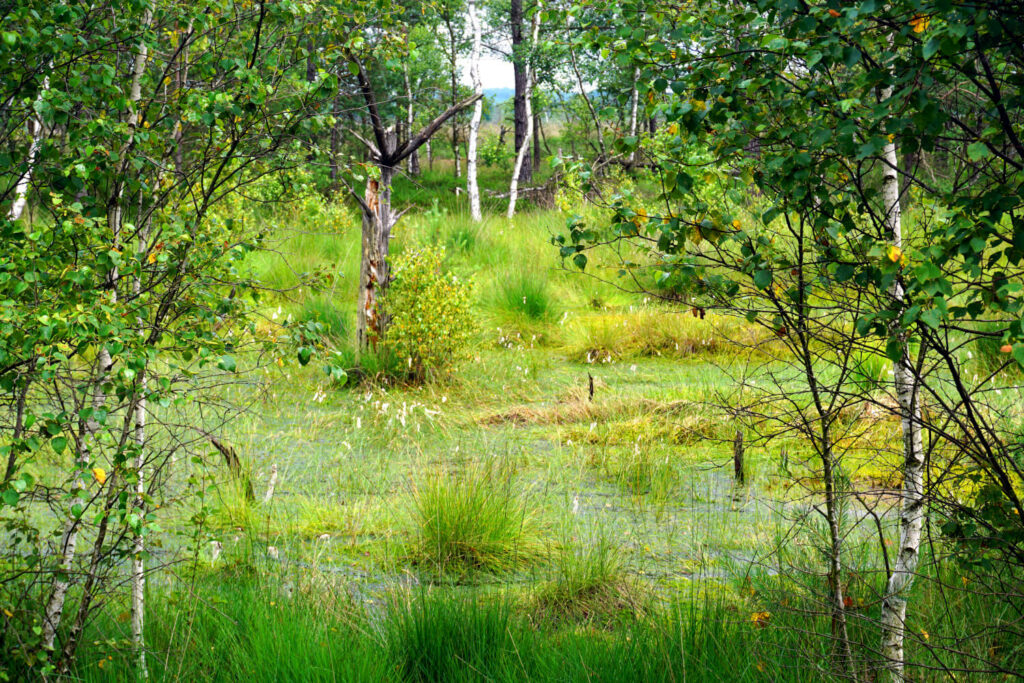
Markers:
point(895, 254)
point(919, 23)
point(736, 224)
point(151, 258)
point(99, 474)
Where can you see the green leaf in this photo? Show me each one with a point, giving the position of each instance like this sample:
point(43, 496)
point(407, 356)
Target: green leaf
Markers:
point(58, 444)
point(894, 350)
point(227, 363)
point(763, 279)
point(977, 151)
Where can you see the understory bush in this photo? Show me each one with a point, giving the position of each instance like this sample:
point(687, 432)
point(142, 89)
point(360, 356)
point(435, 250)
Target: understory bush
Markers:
point(431, 323)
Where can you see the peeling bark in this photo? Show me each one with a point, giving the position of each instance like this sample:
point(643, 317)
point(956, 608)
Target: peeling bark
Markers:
point(36, 130)
point(894, 602)
point(634, 96)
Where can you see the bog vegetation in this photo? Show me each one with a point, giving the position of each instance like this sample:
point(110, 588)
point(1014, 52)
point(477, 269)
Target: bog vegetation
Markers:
point(696, 357)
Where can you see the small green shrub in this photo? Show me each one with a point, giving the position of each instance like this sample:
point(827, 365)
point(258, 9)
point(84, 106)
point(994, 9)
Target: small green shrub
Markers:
point(431, 323)
point(472, 522)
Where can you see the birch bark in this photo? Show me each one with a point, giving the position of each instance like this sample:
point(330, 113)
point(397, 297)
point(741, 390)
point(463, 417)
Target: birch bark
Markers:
point(894, 603)
point(472, 188)
point(634, 97)
point(69, 539)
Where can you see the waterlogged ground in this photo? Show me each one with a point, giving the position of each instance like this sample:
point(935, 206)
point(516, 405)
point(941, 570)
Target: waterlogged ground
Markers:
point(645, 465)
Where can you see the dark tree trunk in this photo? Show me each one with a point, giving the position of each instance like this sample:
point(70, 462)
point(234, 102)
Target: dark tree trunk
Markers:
point(520, 53)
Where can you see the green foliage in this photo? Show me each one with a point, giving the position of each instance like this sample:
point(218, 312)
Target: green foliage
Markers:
point(431, 324)
point(590, 585)
point(524, 292)
point(328, 312)
point(472, 521)
point(870, 372)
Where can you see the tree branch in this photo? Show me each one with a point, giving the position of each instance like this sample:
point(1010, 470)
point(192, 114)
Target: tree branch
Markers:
point(371, 103)
point(416, 142)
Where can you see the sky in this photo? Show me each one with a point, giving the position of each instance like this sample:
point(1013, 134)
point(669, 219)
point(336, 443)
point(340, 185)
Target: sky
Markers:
point(495, 68)
point(495, 72)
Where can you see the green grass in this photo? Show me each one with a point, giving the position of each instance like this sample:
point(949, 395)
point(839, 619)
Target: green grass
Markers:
point(591, 584)
point(521, 292)
point(240, 626)
point(550, 536)
point(468, 521)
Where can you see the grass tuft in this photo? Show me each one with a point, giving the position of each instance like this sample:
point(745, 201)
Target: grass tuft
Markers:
point(590, 586)
point(525, 294)
point(472, 522)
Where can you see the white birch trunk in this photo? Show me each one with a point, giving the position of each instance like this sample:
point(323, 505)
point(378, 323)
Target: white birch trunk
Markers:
point(69, 539)
point(412, 164)
point(524, 148)
point(139, 546)
point(36, 130)
point(138, 562)
point(894, 603)
point(634, 107)
point(472, 188)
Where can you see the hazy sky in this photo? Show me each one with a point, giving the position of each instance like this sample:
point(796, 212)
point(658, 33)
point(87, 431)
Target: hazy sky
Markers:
point(495, 72)
point(495, 68)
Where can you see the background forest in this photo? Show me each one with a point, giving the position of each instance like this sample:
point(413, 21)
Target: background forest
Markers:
point(693, 352)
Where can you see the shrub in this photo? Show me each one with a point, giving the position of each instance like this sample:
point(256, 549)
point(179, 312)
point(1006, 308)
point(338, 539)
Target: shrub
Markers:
point(431, 323)
point(472, 522)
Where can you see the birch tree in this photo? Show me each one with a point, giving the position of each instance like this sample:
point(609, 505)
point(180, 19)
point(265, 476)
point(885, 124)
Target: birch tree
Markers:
point(129, 268)
point(894, 604)
point(55, 607)
point(472, 188)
